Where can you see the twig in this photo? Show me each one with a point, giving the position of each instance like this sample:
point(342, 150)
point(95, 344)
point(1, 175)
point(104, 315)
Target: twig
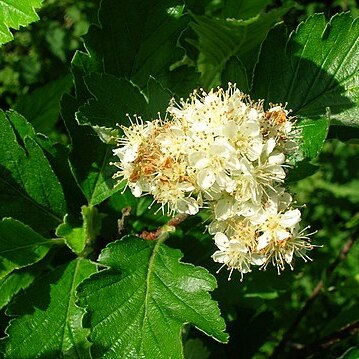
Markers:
point(168, 227)
point(330, 339)
point(314, 295)
point(121, 222)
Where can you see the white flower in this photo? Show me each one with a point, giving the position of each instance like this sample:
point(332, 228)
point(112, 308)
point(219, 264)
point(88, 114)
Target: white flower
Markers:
point(278, 118)
point(274, 232)
point(224, 208)
point(277, 226)
point(281, 252)
point(233, 254)
point(220, 150)
point(248, 187)
point(280, 238)
point(172, 141)
point(214, 165)
point(269, 171)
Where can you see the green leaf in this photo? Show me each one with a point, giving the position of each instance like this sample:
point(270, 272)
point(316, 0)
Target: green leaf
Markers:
point(142, 42)
point(158, 99)
point(138, 306)
point(314, 134)
point(114, 98)
point(78, 237)
point(244, 9)
point(29, 189)
point(58, 157)
point(110, 108)
point(239, 70)
point(352, 353)
point(49, 322)
point(90, 158)
point(14, 282)
point(315, 71)
point(195, 349)
point(301, 170)
point(20, 246)
point(42, 106)
point(219, 40)
point(82, 65)
point(15, 13)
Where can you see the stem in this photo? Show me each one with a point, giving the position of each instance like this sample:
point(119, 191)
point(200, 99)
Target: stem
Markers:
point(330, 339)
point(59, 241)
point(313, 296)
point(168, 227)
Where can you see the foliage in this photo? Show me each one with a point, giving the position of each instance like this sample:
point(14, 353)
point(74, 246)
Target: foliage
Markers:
point(163, 294)
point(80, 276)
point(41, 53)
point(14, 14)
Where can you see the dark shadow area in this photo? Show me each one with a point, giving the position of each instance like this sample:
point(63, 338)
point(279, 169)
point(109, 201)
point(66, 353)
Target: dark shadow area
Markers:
point(15, 202)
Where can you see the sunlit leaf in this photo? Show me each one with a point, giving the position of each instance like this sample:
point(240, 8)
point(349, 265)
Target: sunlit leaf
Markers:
point(315, 71)
point(138, 306)
point(48, 323)
point(77, 237)
point(15, 13)
point(14, 282)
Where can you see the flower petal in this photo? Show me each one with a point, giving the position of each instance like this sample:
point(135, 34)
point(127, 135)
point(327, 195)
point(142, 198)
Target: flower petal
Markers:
point(221, 241)
point(290, 218)
point(220, 257)
point(205, 178)
point(263, 241)
point(198, 159)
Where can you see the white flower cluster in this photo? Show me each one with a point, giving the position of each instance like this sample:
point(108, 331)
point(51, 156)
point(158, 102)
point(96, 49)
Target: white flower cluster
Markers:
point(219, 150)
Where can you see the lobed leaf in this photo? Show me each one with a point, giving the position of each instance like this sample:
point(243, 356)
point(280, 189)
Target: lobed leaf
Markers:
point(158, 98)
point(315, 71)
point(13, 283)
point(110, 107)
point(48, 323)
point(142, 42)
point(90, 158)
point(20, 246)
point(219, 40)
point(29, 189)
point(15, 13)
point(138, 306)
